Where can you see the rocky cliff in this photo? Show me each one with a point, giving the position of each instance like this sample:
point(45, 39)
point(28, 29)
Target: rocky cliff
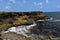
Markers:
point(14, 19)
point(9, 19)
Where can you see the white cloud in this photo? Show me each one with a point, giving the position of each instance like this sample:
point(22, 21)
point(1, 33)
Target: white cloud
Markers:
point(1, 1)
point(24, 1)
point(35, 3)
point(58, 6)
point(7, 7)
point(39, 3)
point(41, 7)
point(47, 1)
point(12, 1)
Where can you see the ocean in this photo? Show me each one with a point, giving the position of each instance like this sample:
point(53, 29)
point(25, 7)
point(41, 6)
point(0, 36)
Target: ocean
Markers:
point(55, 15)
point(51, 27)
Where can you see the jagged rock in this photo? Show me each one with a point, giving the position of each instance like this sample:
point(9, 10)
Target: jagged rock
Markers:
point(9, 19)
point(13, 36)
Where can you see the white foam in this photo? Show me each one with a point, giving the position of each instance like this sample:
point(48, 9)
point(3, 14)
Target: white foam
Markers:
point(46, 19)
point(57, 20)
point(41, 20)
point(50, 19)
point(12, 29)
point(20, 29)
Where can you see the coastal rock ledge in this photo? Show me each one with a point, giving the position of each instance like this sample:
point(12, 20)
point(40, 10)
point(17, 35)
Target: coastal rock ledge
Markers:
point(9, 19)
point(15, 19)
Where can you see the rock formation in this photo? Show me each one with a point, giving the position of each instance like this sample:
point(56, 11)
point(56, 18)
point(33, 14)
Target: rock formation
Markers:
point(15, 19)
point(9, 19)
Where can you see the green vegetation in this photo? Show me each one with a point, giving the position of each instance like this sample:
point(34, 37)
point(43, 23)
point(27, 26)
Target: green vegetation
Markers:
point(27, 38)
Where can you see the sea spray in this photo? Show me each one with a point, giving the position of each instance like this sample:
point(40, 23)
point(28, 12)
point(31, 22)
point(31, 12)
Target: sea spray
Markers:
point(23, 30)
point(46, 19)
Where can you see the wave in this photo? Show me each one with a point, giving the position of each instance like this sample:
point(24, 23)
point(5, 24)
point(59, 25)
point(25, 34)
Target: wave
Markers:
point(57, 20)
point(46, 20)
point(21, 29)
point(51, 20)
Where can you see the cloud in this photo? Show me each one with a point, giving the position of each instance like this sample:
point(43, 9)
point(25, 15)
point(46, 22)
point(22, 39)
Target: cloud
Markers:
point(12, 1)
point(41, 7)
point(35, 3)
point(24, 1)
point(47, 1)
point(58, 6)
point(39, 3)
point(1, 1)
point(7, 7)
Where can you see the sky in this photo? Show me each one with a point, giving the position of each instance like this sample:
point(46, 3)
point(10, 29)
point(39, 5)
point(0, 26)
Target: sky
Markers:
point(30, 5)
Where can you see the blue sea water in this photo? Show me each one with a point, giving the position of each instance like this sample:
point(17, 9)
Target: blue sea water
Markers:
point(55, 15)
point(56, 19)
point(51, 27)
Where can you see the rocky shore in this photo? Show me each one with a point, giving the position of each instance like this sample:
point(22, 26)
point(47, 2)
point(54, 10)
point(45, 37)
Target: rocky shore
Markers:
point(9, 19)
point(15, 19)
